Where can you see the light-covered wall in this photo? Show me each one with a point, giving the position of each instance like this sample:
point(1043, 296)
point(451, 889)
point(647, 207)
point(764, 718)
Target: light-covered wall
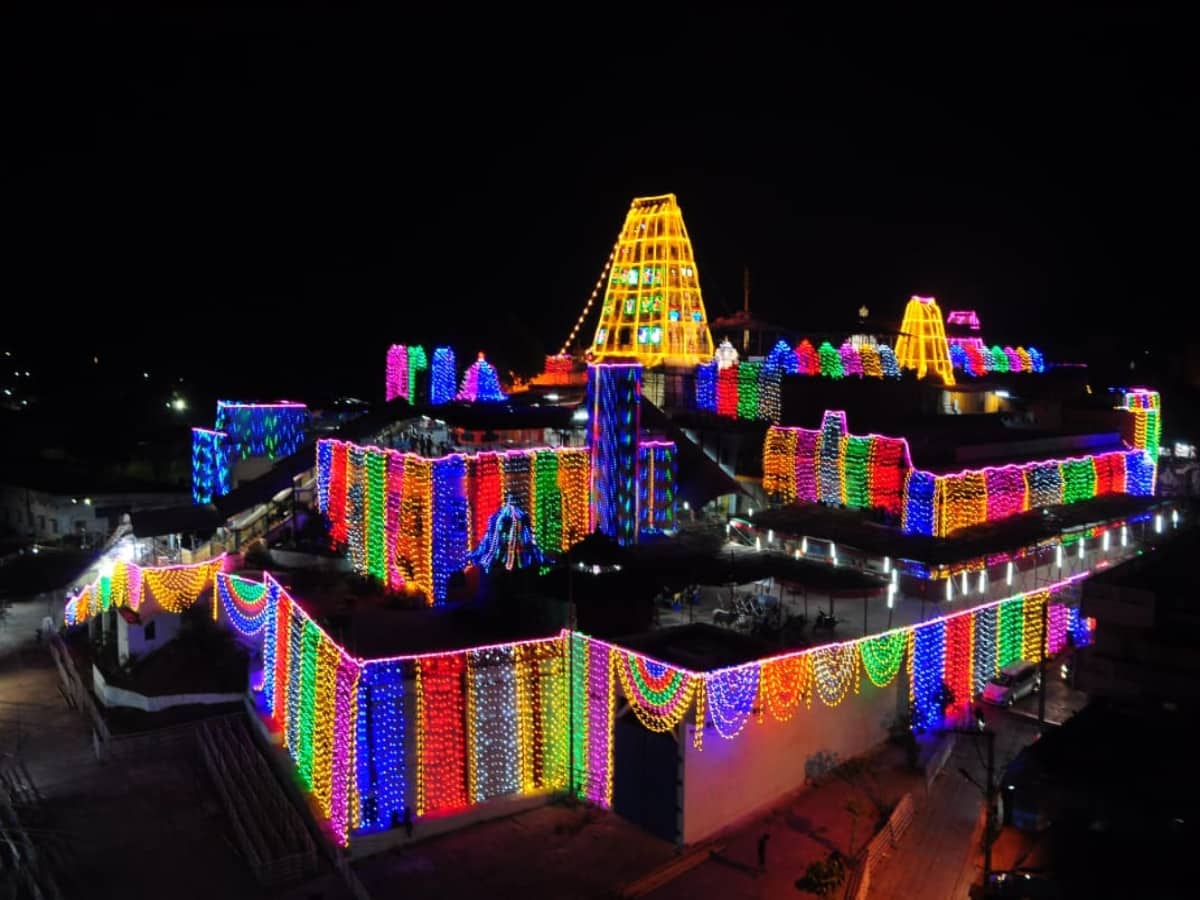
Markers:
point(729, 779)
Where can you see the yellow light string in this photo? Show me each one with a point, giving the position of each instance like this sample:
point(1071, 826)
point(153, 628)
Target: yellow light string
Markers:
point(835, 670)
point(420, 741)
point(587, 307)
point(177, 588)
point(326, 696)
point(701, 689)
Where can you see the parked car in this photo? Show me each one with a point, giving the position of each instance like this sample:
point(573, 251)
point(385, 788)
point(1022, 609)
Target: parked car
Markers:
point(1010, 684)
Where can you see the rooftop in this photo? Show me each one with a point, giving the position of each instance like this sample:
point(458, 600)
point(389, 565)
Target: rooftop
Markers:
point(1168, 568)
point(699, 647)
point(371, 623)
point(857, 529)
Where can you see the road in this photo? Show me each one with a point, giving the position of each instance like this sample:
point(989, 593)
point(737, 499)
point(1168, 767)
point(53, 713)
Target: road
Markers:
point(940, 855)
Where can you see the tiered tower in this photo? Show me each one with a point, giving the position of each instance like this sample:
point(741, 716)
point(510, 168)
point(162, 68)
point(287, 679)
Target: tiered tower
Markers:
point(922, 344)
point(653, 311)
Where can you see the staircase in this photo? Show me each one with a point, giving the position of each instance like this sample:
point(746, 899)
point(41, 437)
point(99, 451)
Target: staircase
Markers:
point(267, 829)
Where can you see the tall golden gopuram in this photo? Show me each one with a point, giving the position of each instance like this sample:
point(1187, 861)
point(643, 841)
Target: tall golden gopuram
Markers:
point(922, 344)
point(653, 311)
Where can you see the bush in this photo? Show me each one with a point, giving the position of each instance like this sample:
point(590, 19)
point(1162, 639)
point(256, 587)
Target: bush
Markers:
point(823, 877)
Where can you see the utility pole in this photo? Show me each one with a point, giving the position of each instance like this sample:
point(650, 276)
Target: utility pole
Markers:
point(989, 794)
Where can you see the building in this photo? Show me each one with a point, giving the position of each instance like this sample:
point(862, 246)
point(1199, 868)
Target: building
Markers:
point(1147, 646)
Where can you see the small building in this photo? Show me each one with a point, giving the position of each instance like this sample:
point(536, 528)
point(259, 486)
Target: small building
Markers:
point(141, 632)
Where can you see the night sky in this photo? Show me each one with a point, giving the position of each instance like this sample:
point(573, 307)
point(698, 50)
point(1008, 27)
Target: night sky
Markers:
point(263, 201)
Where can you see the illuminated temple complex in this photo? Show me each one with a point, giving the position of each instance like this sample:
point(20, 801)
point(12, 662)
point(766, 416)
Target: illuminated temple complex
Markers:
point(919, 457)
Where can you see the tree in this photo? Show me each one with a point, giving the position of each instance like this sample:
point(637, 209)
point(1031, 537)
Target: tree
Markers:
point(823, 877)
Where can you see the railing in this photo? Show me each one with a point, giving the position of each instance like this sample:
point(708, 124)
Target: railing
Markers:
point(266, 827)
point(28, 864)
point(77, 694)
point(859, 880)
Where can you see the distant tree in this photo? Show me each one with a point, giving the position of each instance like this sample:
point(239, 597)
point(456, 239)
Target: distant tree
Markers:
point(823, 877)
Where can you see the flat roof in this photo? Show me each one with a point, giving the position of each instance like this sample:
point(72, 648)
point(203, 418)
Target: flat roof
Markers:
point(699, 647)
point(371, 623)
point(856, 528)
point(1167, 568)
point(703, 557)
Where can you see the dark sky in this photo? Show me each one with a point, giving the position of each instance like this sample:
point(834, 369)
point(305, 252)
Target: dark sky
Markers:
point(267, 199)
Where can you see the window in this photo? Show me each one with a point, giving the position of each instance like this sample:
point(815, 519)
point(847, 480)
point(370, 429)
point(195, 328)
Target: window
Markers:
point(54, 526)
point(148, 631)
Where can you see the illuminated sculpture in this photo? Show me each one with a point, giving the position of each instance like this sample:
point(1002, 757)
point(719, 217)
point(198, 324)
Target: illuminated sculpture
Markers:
point(653, 310)
point(726, 355)
point(922, 344)
point(480, 383)
point(509, 539)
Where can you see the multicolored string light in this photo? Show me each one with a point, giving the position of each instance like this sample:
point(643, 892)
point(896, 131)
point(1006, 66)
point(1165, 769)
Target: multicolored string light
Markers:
point(830, 465)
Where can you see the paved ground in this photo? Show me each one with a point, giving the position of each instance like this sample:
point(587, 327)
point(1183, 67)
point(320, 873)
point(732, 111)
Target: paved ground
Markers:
point(126, 828)
point(906, 609)
point(803, 828)
point(553, 851)
point(941, 854)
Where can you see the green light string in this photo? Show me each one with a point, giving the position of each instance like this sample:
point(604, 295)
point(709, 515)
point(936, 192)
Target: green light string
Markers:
point(1012, 620)
point(376, 509)
point(308, 699)
point(882, 657)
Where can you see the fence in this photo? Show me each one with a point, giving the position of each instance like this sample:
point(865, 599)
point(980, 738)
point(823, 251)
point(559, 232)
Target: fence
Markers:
point(858, 883)
point(78, 695)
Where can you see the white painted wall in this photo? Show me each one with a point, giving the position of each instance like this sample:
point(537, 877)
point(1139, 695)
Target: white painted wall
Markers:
point(729, 779)
point(131, 639)
point(114, 696)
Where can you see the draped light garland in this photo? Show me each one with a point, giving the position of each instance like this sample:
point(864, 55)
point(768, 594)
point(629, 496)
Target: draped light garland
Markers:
point(171, 588)
point(731, 696)
point(835, 671)
point(535, 716)
point(660, 695)
point(882, 657)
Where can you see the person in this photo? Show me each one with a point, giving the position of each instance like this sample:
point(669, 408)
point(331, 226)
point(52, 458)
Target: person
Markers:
point(408, 822)
point(762, 850)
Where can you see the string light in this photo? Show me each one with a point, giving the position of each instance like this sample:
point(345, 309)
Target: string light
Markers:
point(614, 394)
point(928, 669)
point(808, 361)
point(835, 671)
point(410, 521)
point(442, 377)
point(922, 344)
point(851, 361)
point(830, 361)
point(587, 307)
point(730, 697)
point(831, 466)
point(481, 384)
point(270, 430)
point(882, 656)
point(212, 454)
point(396, 375)
point(653, 310)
